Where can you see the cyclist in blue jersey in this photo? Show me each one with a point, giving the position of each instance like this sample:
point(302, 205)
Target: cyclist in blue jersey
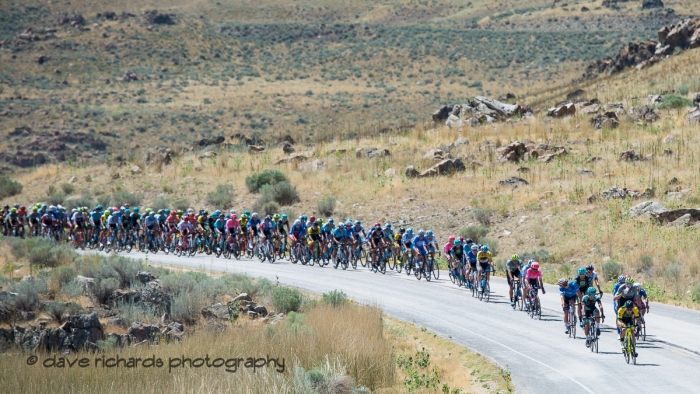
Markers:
point(569, 292)
point(420, 246)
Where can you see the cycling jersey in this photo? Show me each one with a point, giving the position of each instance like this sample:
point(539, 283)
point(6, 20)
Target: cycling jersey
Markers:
point(340, 234)
point(590, 302)
point(514, 266)
point(628, 292)
point(253, 223)
point(388, 234)
point(219, 224)
point(447, 247)
point(314, 230)
point(471, 257)
point(297, 229)
point(484, 257)
point(281, 224)
point(230, 224)
point(583, 283)
point(568, 292)
point(420, 243)
point(457, 251)
point(185, 225)
point(625, 314)
point(407, 239)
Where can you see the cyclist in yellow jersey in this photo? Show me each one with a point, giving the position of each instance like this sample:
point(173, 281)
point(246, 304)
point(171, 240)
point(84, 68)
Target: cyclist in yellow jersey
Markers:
point(485, 261)
point(627, 315)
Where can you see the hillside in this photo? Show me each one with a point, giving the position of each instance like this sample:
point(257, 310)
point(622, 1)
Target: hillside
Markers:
point(111, 79)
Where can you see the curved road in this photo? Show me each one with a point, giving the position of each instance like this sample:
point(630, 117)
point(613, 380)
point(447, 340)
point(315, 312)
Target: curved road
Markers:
point(541, 358)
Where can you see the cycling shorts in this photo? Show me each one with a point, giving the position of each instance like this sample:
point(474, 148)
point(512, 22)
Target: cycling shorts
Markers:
point(590, 312)
point(298, 235)
point(267, 233)
point(484, 267)
point(113, 226)
point(151, 227)
point(567, 301)
point(232, 231)
point(515, 274)
point(627, 321)
point(282, 231)
point(315, 237)
point(639, 303)
point(254, 231)
point(408, 244)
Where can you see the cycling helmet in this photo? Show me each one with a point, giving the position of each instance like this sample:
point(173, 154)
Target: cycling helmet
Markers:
point(275, 216)
point(452, 238)
point(590, 267)
point(81, 210)
point(330, 220)
point(305, 218)
point(629, 304)
point(297, 222)
point(234, 216)
point(255, 214)
point(562, 282)
point(388, 225)
point(348, 224)
point(535, 266)
point(377, 224)
point(629, 281)
point(232, 212)
point(484, 248)
point(136, 209)
point(215, 215)
point(469, 241)
point(152, 214)
point(474, 248)
point(581, 271)
point(6, 207)
point(35, 209)
point(167, 212)
point(312, 218)
point(637, 285)
point(515, 257)
point(173, 213)
point(462, 239)
point(319, 221)
point(191, 214)
point(22, 207)
point(591, 291)
point(13, 210)
point(410, 230)
point(529, 262)
point(268, 218)
point(51, 208)
point(457, 242)
point(16, 205)
point(429, 233)
point(358, 223)
point(246, 213)
point(127, 211)
point(621, 279)
point(127, 205)
point(100, 207)
point(421, 233)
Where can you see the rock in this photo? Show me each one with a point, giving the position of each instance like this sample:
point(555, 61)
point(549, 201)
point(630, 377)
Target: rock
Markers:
point(669, 139)
point(255, 149)
point(252, 314)
point(218, 311)
point(575, 94)
point(379, 153)
point(41, 59)
point(287, 139)
point(591, 199)
point(523, 169)
point(139, 332)
point(645, 114)
point(145, 277)
point(694, 116)
point(390, 172)
point(513, 181)
point(649, 4)
point(129, 76)
point(682, 221)
point(620, 194)
point(589, 109)
point(630, 155)
point(436, 154)
point(629, 56)
point(411, 172)
point(287, 148)
point(594, 159)
point(668, 152)
point(120, 340)
point(562, 111)
point(501, 110)
point(296, 157)
point(608, 120)
point(149, 297)
point(158, 155)
point(445, 167)
point(584, 171)
point(136, 170)
point(673, 215)
point(549, 157)
point(242, 297)
point(7, 340)
point(260, 310)
point(116, 321)
point(72, 179)
point(512, 152)
point(154, 17)
point(441, 114)
point(674, 181)
point(338, 151)
point(654, 99)
point(475, 164)
point(315, 165)
point(647, 208)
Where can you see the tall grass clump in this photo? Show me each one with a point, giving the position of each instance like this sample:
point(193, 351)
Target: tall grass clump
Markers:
point(476, 233)
point(326, 206)
point(674, 101)
point(267, 177)
point(286, 300)
point(335, 298)
point(9, 187)
point(222, 197)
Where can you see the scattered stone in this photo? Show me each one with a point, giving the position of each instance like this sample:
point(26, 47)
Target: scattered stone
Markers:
point(594, 160)
point(371, 153)
point(252, 314)
point(296, 157)
point(390, 172)
point(562, 111)
point(608, 120)
point(649, 4)
point(116, 321)
point(287, 148)
point(645, 114)
point(512, 152)
point(436, 155)
point(674, 181)
point(218, 311)
point(690, 214)
point(584, 171)
point(654, 99)
point(158, 155)
point(129, 76)
point(255, 149)
point(549, 157)
point(694, 115)
point(523, 169)
point(513, 181)
point(139, 332)
point(620, 194)
point(591, 199)
point(445, 167)
point(242, 297)
point(647, 208)
point(149, 297)
point(145, 277)
point(157, 18)
point(136, 170)
point(442, 113)
point(72, 179)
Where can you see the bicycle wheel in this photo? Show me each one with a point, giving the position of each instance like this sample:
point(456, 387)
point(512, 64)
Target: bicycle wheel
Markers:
point(644, 329)
point(398, 266)
point(452, 277)
point(487, 291)
point(390, 259)
point(436, 270)
point(594, 343)
point(362, 256)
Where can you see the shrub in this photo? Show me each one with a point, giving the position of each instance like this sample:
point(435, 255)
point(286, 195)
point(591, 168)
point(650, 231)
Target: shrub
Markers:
point(186, 307)
point(160, 202)
point(286, 300)
point(483, 216)
point(62, 276)
point(266, 207)
point(104, 200)
point(476, 233)
point(67, 188)
point(222, 197)
point(104, 288)
point(335, 298)
point(123, 197)
point(683, 90)
point(27, 298)
point(125, 270)
point(695, 292)
point(675, 101)
point(491, 243)
point(673, 273)
point(646, 263)
point(83, 201)
point(181, 204)
point(611, 270)
point(541, 256)
point(56, 309)
point(283, 193)
point(55, 199)
point(266, 177)
point(49, 254)
point(8, 187)
point(73, 289)
point(326, 206)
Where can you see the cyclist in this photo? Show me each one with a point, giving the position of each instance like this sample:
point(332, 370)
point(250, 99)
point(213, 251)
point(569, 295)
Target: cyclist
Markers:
point(407, 241)
point(376, 242)
point(420, 246)
point(584, 282)
point(471, 259)
point(590, 271)
point(314, 232)
point(513, 267)
point(625, 292)
point(79, 220)
point(620, 282)
point(641, 301)
point(297, 233)
point(569, 294)
point(233, 227)
point(589, 302)
point(485, 265)
point(533, 280)
point(150, 223)
point(340, 236)
point(326, 234)
point(389, 237)
point(446, 249)
point(186, 228)
point(252, 228)
point(627, 316)
point(457, 256)
point(135, 218)
point(282, 229)
point(432, 244)
point(33, 221)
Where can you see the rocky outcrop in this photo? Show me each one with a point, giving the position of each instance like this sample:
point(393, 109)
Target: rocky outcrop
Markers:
point(158, 155)
point(651, 4)
point(478, 110)
point(646, 209)
point(562, 110)
point(216, 311)
point(150, 298)
point(153, 17)
point(608, 120)
point(445, 167)
point(372, 153)
point(77, 333)
point(615, 193)
point(512, 152)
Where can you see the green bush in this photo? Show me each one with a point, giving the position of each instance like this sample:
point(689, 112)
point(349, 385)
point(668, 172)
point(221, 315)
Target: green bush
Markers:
point(646, 263)
point(266, 177)
point(49, 254)
point(56, 310)
point(695, 292)
point(123, 197)
point(611, 270)
point(491, 243)
point(160, 202)
point(683, 90)
point(675, 101)
point(222, 197)
point(186, 307)
point(335, 298)
point(55, 199)
point(125, 270)
point(483, 216)
point(476, 233)
point(27, 298)
point(62, 276)
point(541, 256)
point(8, 187)
point(326, 206)
point(674, 273)
point(103, 288)
point(286, 300)
point(67, 188)
point(181, 204)
point(266, 207)
point(283, 193)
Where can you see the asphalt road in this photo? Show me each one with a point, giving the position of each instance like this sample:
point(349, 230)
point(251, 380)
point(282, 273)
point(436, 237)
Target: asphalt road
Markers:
point(539, 355)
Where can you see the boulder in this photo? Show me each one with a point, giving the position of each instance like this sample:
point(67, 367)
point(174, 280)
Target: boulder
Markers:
point(217, 311)
point(136, 170)
point(620, 193)
point(645, 114)
point(694, 115)
point(255, 149)
point(436, 154)
point(296, 157)
point(116, 321)
point(260, 310)
point(158, 155)
point(145, 277)
point(371, 153)
point(562, 111)
point(654, 99)
point(242, 297)
point(150, 298)
point(549, 157)
point(513, 181)
point(442, 113)
point(630, 155)
point(445, 167)
point(411, 172)
point(153, 17)
point(502, 110)
point(139, 332)
point(650, 4)
point(287, 148)
point(512, 152)
point(647, 208)
point(682, 221)
point(669, 216)
point(608, 120)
